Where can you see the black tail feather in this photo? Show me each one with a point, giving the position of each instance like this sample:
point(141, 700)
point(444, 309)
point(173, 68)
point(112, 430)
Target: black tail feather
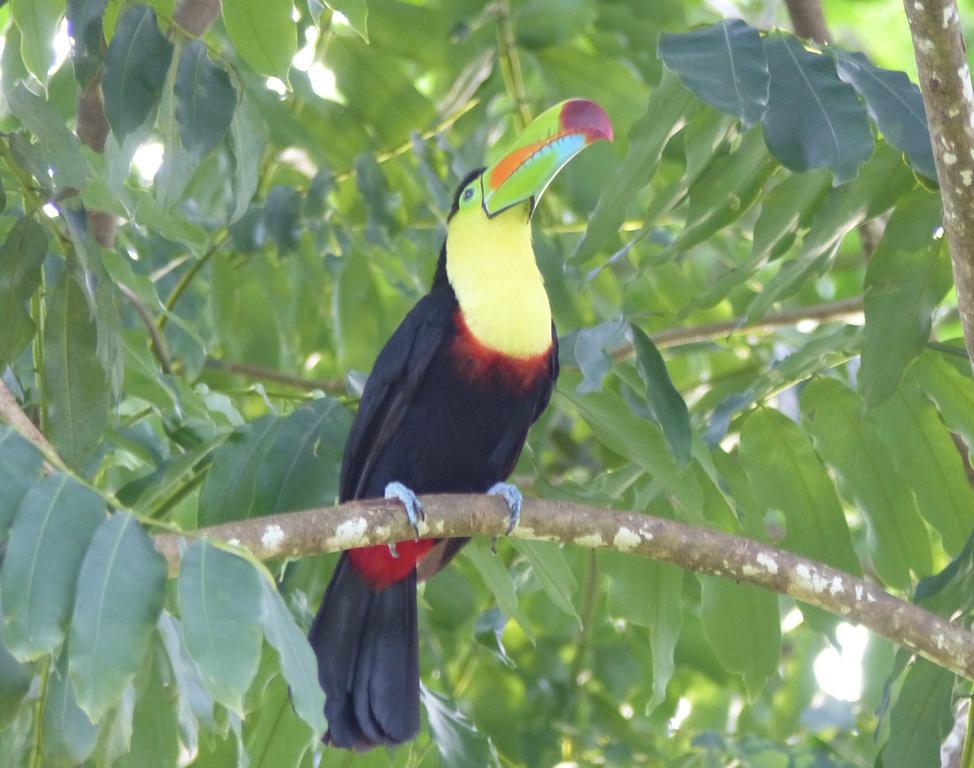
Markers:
point(367, 646)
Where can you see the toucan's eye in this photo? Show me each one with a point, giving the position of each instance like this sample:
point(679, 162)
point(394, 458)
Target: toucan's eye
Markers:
point(468, 194)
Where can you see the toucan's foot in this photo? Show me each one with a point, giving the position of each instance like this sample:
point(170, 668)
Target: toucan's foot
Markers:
point(414, 510)
point(512, 496)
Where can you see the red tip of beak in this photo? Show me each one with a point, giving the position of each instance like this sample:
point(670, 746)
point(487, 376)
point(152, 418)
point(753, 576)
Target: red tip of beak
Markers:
point(584, 116)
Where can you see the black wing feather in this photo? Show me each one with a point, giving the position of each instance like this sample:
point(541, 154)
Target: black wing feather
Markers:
point(391, 387)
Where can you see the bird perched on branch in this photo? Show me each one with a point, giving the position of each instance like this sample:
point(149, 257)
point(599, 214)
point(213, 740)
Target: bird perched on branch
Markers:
point(446, 409)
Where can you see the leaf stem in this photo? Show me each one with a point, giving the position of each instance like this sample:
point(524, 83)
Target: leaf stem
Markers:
point(36, 749)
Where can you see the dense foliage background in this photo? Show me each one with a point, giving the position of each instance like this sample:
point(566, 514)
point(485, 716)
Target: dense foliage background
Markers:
point(772, 226)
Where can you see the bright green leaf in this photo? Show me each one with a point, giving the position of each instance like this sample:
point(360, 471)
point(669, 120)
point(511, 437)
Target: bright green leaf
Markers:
point(928, 460)
point(77, 390)
point(647, 137)
point(897, 539)
point(549, 565)
point(58, 144)
point(69, 736)
point(786, 475)
point(155, 726)
point(21, 257)
point(458, 741)
point(743, 627)
point(277, 464)
point(298, 664)
point(220, 603)
point(119, 599)
point(650, 594)
point(357, 13)
point(37, 21)
point(907, 276)
point(498, 580)
point(248, 137)
point(50, 535)
point(921, 718)
point(664, 398)
point(263, 34)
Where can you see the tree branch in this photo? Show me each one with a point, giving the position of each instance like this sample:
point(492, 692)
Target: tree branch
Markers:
point(945, 82)
point(808, 20)
point(365, 523)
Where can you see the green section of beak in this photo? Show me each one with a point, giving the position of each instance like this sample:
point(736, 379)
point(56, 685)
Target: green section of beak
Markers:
point(543, 149)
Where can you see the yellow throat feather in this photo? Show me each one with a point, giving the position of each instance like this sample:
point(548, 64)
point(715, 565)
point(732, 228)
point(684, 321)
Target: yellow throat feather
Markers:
point(490, 264)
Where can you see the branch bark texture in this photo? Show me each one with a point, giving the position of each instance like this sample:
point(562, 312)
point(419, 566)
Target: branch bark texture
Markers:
point(945, 82)
point(809, 20)
point(364, 523)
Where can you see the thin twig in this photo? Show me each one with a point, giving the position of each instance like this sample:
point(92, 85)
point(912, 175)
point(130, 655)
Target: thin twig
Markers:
point(159, 347)
point(333, 386)
point(675, 337)
point(368, 523)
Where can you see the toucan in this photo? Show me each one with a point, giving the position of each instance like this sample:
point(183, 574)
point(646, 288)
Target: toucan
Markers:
point(446, 409)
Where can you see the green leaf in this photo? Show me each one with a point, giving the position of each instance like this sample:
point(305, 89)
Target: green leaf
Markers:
point(664, 398)
point(248, 138)
point(743, 627)
point(725, 191)
point(69, 736)
point(907, 276)
point(814, 120)
point(647, 137)
point(136, 65)
point(783, 209)
point(50, 534)
point(549, 565)
point(457, 739)
point(786, 475)
point(59, 146)
point(177, 167)
point(650, 594)
point(155, 726)
point(119, 599)
point(921, 718)
point(498, 581)
point(894, 102)
point(952, 393)
point(723, 65)
point(77, 391)
point(358, 335)
point(928, 460)
point(21, 257)
point(640, 441)
point(298, 664)
point(881, 182)
point(220, 603)
point(263, 34)
point(85, 30)
point(277, 464)
point(896, 538)
point(357, 13)
point(15, 680)
point(37, 21)
point(205, 100)
point(278, 737)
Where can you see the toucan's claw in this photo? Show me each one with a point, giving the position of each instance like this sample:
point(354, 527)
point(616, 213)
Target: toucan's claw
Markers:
point(512, 496)
point(414, 509)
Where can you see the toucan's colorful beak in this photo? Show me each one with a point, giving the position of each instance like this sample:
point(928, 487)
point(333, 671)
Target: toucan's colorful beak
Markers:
point(543, 149)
